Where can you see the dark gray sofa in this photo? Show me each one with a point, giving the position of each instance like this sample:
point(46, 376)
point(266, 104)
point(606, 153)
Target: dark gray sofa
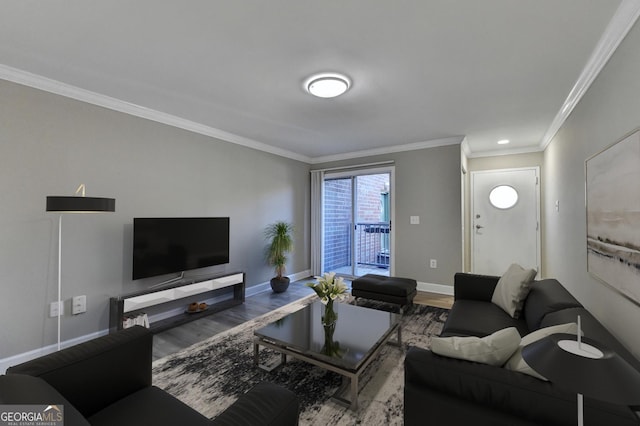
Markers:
point(447, 391)
point(107, 381)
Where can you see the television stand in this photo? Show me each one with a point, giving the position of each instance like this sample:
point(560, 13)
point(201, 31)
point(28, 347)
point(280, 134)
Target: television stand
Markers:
point(166, 307)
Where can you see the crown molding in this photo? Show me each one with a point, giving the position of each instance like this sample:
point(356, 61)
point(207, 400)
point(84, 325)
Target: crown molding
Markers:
point(63, 89)
point(454, 140)
point(501, 152)
point(69, 91)
point(466, 149)
point(617, 29)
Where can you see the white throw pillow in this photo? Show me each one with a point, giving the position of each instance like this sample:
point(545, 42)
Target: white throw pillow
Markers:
point(493, 349)
point(517, 362)
point(512, 288)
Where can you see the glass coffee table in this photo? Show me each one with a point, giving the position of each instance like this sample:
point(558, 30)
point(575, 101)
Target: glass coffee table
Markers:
point(345, 348)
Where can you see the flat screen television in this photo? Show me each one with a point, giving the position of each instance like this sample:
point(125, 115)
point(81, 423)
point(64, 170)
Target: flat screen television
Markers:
point(178, 244)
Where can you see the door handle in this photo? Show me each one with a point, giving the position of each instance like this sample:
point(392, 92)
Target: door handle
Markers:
point(479, 226)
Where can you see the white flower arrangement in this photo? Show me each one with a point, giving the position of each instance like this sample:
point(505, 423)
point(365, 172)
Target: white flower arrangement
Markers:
point(329, 287)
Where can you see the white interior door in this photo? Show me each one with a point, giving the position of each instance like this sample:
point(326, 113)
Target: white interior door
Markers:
point(505, 220)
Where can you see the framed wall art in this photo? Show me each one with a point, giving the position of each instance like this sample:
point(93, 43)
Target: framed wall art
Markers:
point(613, 215)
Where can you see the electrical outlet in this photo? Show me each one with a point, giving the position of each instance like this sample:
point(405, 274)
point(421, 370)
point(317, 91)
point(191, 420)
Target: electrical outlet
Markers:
point(433, 263)
point(55, 308)
point(79, 305)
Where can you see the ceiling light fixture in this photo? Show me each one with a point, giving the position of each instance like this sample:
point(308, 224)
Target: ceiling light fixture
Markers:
point(503, 141)
point(327, 85)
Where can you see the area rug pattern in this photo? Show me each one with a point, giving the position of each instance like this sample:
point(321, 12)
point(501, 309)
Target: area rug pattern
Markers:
point(210, 375)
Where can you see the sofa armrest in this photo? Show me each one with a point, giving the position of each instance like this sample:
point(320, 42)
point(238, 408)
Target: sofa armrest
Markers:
point(506, 391)
point(22, 389)
point(266, 404)
point(474, 286)
point(96, 373)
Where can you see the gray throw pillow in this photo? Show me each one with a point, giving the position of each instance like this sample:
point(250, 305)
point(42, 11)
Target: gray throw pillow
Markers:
point(512, 289)
point(517, 362)
point(494, 349)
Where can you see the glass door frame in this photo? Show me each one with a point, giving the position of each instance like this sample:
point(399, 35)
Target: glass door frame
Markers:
point(353, 174)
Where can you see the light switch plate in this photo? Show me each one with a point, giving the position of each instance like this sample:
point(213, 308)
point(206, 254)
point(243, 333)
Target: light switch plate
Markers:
point(55, 308)
point(79, 305)
point(414, 220)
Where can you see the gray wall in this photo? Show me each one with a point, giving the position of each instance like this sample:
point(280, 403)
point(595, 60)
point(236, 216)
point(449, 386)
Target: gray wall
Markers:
point(609, 110)
point(50, 144)
point(427, 185)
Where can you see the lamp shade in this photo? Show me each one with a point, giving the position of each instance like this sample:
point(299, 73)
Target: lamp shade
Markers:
point(601, 374)
point(64, 204)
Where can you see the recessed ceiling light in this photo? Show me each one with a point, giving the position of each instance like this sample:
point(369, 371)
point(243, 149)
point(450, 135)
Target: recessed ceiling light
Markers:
point(503, 142)
point(327, 85)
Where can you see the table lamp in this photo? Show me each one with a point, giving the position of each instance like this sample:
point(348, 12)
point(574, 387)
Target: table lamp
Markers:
point(586, 367)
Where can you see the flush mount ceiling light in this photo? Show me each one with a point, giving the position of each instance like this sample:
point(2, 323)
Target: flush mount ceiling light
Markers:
point(327, 85)
point(503, 142)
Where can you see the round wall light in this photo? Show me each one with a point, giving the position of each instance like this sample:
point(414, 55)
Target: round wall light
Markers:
point(327, 85)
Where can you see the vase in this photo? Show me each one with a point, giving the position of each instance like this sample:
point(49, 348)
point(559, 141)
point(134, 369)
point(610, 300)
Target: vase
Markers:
point(330, 316)
point(331, 347)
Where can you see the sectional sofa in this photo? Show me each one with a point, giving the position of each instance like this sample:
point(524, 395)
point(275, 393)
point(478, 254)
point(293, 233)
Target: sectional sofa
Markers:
point(450, 391)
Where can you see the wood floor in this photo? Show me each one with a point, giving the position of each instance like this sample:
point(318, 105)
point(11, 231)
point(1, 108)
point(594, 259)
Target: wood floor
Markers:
point(175, 339)
point(433, 299)
point(185, 335)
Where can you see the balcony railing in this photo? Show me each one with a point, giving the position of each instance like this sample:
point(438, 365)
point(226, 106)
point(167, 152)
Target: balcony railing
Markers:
point(372, 244)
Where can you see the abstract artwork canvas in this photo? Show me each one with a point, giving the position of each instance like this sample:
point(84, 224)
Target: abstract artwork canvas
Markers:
point(613, 216)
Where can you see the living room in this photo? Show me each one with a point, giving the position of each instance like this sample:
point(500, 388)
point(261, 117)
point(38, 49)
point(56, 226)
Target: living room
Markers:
point(51, 142)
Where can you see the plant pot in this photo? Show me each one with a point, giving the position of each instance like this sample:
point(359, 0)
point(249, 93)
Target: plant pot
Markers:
point(279, 285)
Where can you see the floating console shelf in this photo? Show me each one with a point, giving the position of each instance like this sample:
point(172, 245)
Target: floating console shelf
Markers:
point(133, 304)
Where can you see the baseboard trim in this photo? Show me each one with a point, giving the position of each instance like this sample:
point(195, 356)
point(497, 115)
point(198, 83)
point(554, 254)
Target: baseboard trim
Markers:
point(46, 350)
point(435, 288)
point(266, 286)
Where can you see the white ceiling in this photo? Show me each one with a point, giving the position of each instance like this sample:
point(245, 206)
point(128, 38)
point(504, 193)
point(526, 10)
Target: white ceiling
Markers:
point(425, 72)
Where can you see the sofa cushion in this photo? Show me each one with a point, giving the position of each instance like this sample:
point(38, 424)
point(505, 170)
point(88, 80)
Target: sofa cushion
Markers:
point(512, 289)
point(149, 406)
point(517, 362)
point(544, 297)
point(23, 389)
point(494, 349)
point(474, 286)
point(264, 404)
point(393, 286)
point(476, 318)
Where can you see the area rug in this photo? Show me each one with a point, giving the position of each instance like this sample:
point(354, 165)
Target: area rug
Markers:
point(210, 375)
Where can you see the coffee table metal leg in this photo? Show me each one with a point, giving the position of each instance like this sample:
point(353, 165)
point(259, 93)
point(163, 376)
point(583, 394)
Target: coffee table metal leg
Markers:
point(350, 387)
point(268, 368)
point(354, 393)
point(398, 341)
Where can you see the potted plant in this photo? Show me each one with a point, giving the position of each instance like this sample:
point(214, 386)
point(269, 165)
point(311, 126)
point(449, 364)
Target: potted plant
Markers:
point(281, 243)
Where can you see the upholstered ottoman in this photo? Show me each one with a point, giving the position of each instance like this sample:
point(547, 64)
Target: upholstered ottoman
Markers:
point(394, 290)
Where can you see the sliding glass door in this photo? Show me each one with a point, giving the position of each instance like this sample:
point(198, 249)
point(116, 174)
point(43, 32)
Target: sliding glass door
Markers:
point(357, 223)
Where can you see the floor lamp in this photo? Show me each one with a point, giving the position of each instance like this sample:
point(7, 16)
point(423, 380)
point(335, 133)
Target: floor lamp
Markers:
point(586, 367)
point(74, 204)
